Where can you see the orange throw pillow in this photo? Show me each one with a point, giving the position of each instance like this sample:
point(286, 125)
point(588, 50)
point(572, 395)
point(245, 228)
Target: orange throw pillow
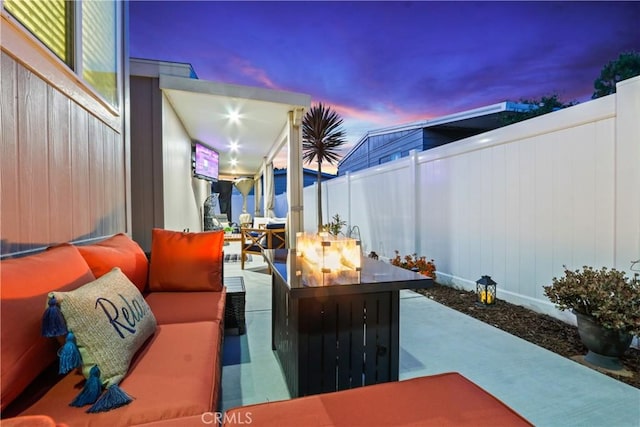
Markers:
point(186, 261)
point(118, 251)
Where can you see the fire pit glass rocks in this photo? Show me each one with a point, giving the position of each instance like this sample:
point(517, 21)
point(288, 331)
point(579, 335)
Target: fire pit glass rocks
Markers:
point(325, 260)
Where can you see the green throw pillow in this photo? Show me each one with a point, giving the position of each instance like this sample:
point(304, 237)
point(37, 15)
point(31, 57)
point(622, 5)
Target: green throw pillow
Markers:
point(109, 320)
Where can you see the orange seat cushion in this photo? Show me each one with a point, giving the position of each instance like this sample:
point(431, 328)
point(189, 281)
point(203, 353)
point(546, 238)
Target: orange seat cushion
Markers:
point(186, 261)
point(201, 420)
point(181, 307)
point(25, 285)
point(30, 421)
point(118, 251)
point(176, 374)
point(438, 400)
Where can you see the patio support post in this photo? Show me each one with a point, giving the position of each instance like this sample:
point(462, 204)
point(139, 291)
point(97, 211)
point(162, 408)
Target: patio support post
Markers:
point(627, 175)
point(415, 213)
point(294, 175)
point(348, 182)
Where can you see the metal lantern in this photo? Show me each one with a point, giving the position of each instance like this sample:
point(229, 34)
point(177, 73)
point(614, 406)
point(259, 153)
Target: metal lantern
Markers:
point(486, 291)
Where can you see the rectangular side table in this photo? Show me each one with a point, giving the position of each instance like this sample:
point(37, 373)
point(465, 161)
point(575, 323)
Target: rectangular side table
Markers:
point(234, 309)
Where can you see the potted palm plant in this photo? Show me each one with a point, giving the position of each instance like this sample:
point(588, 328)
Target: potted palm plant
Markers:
point(607, 307)
point(322, 137)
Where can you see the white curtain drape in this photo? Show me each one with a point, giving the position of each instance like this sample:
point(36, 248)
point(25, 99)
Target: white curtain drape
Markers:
point(269, 191)
point(257, 192)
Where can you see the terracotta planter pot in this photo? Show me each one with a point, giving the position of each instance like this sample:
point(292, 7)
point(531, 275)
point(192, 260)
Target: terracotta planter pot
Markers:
point(605, 345)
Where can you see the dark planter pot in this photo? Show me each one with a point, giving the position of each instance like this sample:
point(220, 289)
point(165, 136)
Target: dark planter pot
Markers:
point(605, 345)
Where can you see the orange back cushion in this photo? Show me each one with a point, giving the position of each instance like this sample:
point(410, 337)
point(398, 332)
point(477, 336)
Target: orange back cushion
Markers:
point(118, 251)
point(25, 284)
point(186, 261)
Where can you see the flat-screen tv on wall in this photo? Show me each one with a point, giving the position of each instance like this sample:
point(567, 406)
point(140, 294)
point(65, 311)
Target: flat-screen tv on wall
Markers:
point(205, 162)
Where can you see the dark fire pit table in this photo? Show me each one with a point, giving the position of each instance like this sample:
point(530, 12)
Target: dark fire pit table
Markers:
point(337, 337)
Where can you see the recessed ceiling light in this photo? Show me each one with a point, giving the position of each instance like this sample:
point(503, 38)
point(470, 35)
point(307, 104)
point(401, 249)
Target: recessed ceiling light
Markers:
point(233, 145)
point(234, 116)
point(234, 162)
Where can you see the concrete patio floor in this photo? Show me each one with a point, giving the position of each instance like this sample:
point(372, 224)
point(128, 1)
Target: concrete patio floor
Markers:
point(547, 389)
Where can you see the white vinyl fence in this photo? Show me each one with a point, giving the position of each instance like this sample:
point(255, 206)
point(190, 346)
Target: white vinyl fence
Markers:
point(516, 203)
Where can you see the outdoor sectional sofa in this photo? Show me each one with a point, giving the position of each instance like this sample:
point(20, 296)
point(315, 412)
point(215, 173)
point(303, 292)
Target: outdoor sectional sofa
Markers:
point(447, 399)
point(174, 374)
point(173, 378)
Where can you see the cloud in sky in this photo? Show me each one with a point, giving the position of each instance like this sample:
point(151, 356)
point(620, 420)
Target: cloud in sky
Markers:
point(385, 63)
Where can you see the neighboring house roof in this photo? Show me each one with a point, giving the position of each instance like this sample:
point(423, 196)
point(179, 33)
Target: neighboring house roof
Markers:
point(309, 177)
point(306, 172)
point(483, 119)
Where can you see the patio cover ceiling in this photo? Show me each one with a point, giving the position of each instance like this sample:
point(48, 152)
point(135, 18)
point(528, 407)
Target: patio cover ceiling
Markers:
point(254, 120)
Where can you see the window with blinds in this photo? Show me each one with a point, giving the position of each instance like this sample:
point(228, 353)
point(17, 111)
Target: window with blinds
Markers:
point(48, 20)
point(99, 62)
point(53, 23)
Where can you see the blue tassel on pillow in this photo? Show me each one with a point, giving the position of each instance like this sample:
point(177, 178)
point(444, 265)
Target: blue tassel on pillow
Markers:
point(69, 355)
point(53, 324)
point(113, 398)
point(91, 391)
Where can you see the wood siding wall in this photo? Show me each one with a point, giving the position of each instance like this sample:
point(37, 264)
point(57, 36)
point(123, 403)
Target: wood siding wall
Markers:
point(62, 169)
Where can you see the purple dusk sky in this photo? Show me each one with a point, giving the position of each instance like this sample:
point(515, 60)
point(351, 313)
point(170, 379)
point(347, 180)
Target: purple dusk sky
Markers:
point(386, 63)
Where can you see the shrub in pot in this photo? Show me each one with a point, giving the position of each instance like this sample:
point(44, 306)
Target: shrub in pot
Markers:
point(607, 306)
